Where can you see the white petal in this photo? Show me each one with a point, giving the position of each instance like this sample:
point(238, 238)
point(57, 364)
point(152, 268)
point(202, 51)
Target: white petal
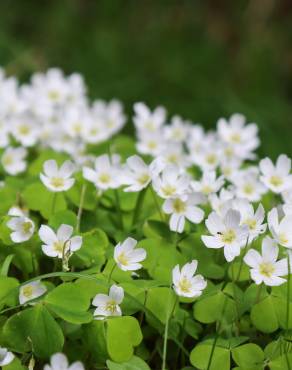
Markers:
point(214, 223)
point(189, 268)
point(50, 168)
point(230, 252)
point(212, 241)
point(232, 219)
point(270, 250)
point(100, 300)
point(59, 361)
point(116, 293)
point(195, 214)
point(75, 243)
point(252, 258)
point(64, 232)
point(266, 166)
point(47, 235)
point(50, 251)
point(283, 165)
point(177, 223)
point(66, 169)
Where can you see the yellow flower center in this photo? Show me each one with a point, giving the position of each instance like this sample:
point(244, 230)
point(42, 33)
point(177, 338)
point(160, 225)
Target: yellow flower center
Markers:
point(26, 227)
point(27, 291)
point(143, 179)
point(57, 182)
point(58, 247)
point(104, 178)
point(111, 306)
point(179, 206)
point(185, 285)
point(248, 189)
point(235, 137)
point(122, 258)
point(276, 180)
point(168, 190)
point(172, 158)
point(53, 95)
point(266, 269)
point(206, 189)
point(23, 129)
point(251, 223)
point(152, 145)
point(228, 236)
point(77, 127)
point(211, 159)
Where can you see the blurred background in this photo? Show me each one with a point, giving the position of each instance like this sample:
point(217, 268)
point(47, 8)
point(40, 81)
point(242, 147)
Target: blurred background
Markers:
point(200, 59)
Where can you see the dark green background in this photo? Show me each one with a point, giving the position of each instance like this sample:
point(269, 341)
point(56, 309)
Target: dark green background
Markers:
point(201, 59)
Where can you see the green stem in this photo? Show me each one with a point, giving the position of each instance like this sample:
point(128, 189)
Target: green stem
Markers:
point(119, 211)
point(235, 296)
point(258, 296)
point(54, 198)
point(80, 209)
point(164, 354)
point(156, 204)
point(110, 274)
point(138, 207)
point(217, 334)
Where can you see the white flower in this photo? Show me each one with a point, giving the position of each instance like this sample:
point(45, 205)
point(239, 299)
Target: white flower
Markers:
point(208, 184)
point(243, 138)
point(265, 268)
point(23, 228)
point(218, 201)
point(171, 182)
point(248, 185)
point(57, 179)
point(61, 243)
point(108, 305)
point(281, 230)
point(181, 208)
point(254, 220)
point(6, 357)
point(146, 120)
point(18, 212)
point(185, 283)
point(31, 291)
point(226, 233)
point(127, 257)
point(25, 129)
point(13, 160)
point(177, 131)
point(105, 175)
point(137, 174)
point(151, 144)
point(59, 362)
point(276, 177)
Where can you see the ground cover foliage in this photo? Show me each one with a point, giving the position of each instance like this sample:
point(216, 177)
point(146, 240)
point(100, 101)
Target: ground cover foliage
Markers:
point(167, 250)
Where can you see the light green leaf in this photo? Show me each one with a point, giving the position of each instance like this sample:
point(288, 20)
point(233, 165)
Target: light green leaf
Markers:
point(248, 355)
point(8, 291)
point(201, 353)
point(136, 363)
point(264, 316)
point(123, 334)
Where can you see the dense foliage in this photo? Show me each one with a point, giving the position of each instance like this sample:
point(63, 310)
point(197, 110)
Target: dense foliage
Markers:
point(165, 251)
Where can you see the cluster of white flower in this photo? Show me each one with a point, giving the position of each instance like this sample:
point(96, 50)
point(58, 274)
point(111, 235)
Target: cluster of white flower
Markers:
point(189, 171)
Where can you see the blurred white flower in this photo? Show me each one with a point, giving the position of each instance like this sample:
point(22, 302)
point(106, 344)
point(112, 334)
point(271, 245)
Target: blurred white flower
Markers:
point(58, 179)
point(208, 183)
point(22, 228)
point(6, 357)
point(13, 160)
point(280, 229)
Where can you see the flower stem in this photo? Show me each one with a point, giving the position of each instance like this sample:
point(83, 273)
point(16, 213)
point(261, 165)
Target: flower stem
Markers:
point(138, 207)
point(80, 209)
point(164, 353)
point(54, 198)
point(110, 275)
point(217, 333)
point(119, 211)
point(258, 296)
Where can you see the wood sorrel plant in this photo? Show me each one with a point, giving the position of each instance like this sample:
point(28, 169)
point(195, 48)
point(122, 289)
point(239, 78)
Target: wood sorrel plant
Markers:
point(170, 250)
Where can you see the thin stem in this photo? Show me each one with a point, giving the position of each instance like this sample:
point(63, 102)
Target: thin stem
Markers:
point(80, 209)
point(138, 207)
point(235, 296)
point(118, 205)
point(156, 204)
point(217, 334)
point(110, 275)
point(54, 198)
point(247, 246)
point(258, 296)
point(164, 354)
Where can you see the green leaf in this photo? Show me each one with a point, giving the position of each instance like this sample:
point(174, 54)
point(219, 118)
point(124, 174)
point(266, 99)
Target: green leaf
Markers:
point(123, 334)
point(283, 362)
point(160, 302)
point(33, 329)
point(38, 198)
point(69, 302)
point(264, 316)
point(8, 198)
point(201, 353)
point(62, 217)
point(233, 270)
point(14, 365)
point(8, 291)
point(6, 264)
point(248, 355)
point(136, 363)
point(95, 340)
